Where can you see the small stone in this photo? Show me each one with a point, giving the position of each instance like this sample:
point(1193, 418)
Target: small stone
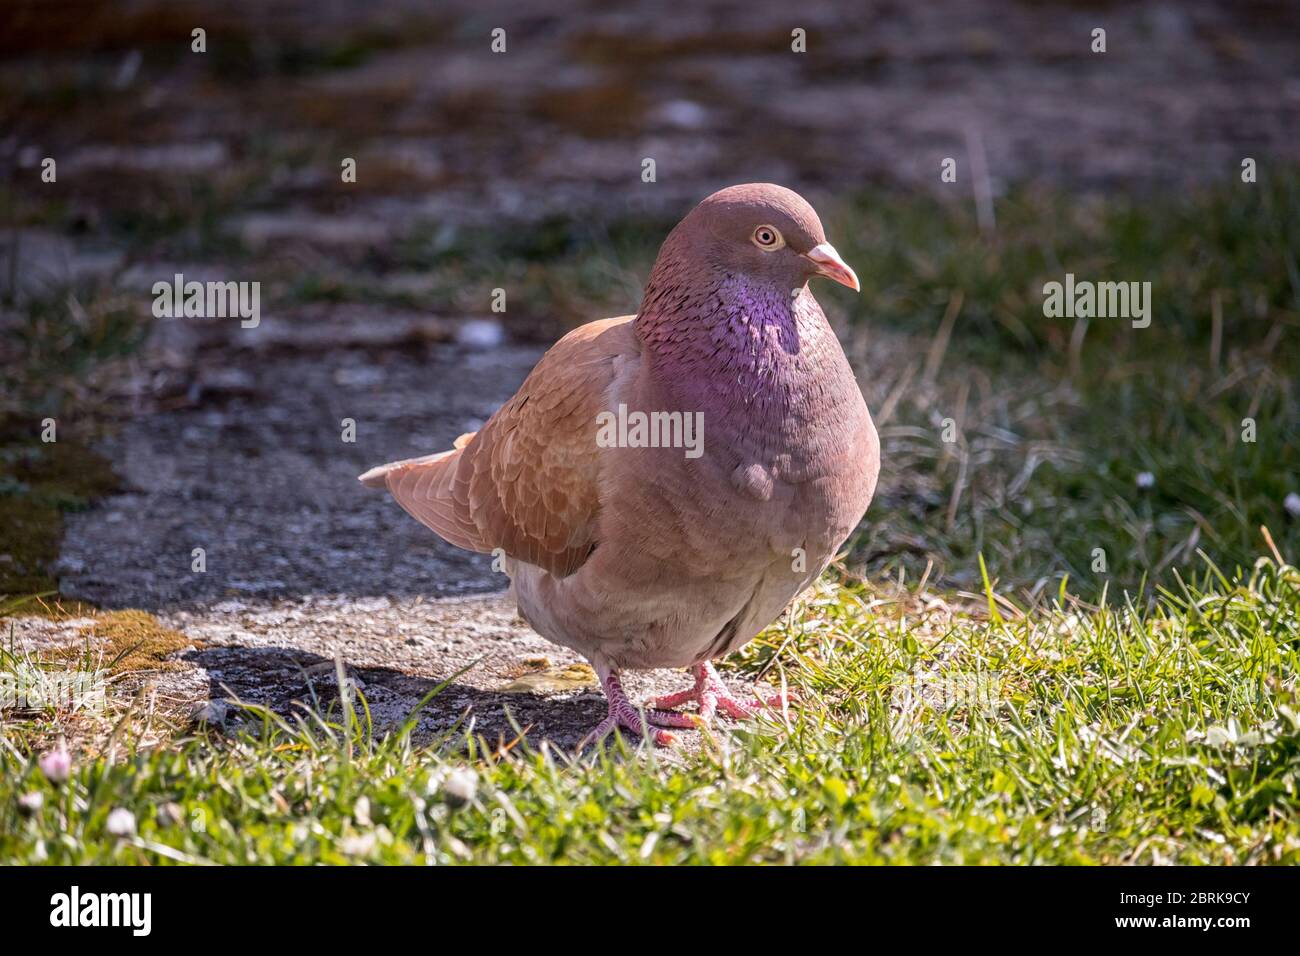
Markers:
point(683, 114)
point(211, 712)
point(480, 334)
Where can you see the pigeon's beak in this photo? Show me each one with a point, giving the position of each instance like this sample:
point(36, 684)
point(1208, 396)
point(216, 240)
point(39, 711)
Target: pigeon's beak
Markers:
point(829, 264)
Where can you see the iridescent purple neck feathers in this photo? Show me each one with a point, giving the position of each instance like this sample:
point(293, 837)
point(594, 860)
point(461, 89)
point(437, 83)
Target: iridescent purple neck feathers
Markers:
point(733, 343)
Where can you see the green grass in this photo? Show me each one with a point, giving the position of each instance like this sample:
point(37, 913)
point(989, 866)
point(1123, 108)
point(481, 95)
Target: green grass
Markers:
point(927, 733)
point(1056, 418)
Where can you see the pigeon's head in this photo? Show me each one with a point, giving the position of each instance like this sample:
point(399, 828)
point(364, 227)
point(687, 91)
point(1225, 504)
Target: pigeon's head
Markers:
point(763, 232)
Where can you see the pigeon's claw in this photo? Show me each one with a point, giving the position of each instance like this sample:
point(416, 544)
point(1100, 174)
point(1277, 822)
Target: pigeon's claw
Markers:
point(632, 722)
point(625, 715)
point(711, 695)
point(690, 696)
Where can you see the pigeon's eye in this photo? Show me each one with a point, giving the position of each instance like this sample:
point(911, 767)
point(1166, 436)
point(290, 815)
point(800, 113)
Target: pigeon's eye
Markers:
point(768, 238)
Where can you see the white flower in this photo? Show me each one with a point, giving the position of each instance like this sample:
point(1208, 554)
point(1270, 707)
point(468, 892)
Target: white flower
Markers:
point(361, 811)
point(56, 764)
point(460, 787)
point(30, 803)
point(1146, 480)
point(121, 823)
point(358, 844)
point(1292, 505)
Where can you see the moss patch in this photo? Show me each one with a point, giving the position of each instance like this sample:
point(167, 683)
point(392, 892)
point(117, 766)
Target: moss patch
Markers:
point(38, 482)
point(29, 543)
point(133, 641)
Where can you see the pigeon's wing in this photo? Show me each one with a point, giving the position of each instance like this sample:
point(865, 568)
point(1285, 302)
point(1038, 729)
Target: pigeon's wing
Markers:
point(527, 482)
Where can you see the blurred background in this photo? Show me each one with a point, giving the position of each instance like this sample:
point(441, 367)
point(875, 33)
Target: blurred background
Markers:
point(522, 170)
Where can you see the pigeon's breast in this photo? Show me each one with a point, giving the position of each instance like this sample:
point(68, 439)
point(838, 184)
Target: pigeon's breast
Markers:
point(784, 437)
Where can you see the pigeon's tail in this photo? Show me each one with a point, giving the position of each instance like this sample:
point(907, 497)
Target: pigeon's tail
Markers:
point(426, 487)
point(377, 477)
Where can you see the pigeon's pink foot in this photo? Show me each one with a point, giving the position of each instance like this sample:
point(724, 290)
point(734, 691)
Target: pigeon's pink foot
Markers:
point(624, 714)
point(712, 695)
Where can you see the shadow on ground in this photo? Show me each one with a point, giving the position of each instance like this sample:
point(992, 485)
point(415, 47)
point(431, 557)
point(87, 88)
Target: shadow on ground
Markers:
point(290, 681)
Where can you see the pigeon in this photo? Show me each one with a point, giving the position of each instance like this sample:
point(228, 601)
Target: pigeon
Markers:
point(664, 484)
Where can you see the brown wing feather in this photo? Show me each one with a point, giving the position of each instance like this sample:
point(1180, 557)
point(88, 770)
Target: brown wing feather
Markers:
point(527, 482)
